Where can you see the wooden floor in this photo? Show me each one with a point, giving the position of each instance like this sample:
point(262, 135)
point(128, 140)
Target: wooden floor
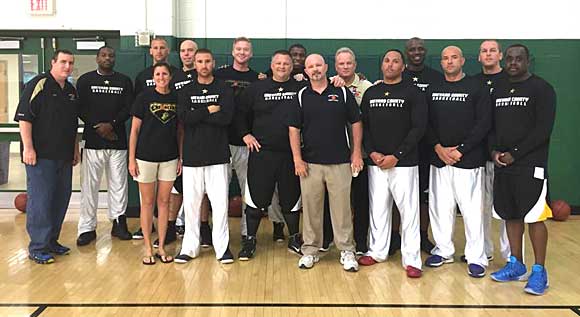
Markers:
point(107, 278)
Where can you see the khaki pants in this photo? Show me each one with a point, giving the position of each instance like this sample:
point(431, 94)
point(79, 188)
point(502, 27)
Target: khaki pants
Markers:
point(337, 179)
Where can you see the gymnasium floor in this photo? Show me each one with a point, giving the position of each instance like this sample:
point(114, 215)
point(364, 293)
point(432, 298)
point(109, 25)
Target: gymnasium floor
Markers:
point(107, 278)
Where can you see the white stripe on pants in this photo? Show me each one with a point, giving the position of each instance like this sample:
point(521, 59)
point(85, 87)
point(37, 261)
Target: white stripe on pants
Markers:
point(504, 245)
point(448, 187)
point(212, 180)
point(94, 163)
point(401, 185)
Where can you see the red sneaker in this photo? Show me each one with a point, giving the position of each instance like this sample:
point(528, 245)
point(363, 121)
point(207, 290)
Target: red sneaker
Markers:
point(366, 260)
point(413, 272)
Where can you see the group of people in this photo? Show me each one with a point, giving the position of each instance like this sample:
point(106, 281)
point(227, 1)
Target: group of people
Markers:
point(370, 166)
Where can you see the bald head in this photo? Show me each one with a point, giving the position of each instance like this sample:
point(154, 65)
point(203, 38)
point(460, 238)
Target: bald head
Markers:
point(187, 51)
point(452, 61)
point(315, 67)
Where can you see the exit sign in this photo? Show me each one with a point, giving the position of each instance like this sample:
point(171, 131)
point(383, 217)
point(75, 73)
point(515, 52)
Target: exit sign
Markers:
point(41, 7)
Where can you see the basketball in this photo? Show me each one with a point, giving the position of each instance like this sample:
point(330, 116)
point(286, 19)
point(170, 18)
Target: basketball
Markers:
point(560, 210)
point(20, 202)
point(235, 207)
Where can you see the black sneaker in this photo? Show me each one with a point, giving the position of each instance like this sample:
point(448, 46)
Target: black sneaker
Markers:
point(205, 232)
point(59, 249)
point(180, 230)
point(395, 243)
point(326, 246)
point(86, 238)
point(278, 234)
point(169, 239)
point(138, 235)
point(248, 248)
point(182, 258)
point(295, 243)
point(227, 258)
point(120, 230)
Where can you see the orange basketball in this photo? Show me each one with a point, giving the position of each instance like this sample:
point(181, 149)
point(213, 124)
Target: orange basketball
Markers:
point(560, 210)
point(20, 202)
point(235, 207)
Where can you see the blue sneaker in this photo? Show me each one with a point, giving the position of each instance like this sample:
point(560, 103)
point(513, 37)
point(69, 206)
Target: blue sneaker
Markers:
point(475, 270)
point(538, 281)
point(437, 260)
point(59, 249)
point(513, 270)
point(41, 257)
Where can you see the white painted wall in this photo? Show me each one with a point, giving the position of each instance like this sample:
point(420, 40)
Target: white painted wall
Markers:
point(364, 19)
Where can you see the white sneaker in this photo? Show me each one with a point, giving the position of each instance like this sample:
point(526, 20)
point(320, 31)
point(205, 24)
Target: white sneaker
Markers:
point(348, 261)
point(307, 261)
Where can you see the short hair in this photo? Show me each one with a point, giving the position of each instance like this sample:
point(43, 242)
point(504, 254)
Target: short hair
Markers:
point(344, 50)
point(520, 46)
point(395, 50)
point(203, 51)
point(163, 64)
point(105, 47)
point(420, 40)
point(61, 51)
point(281, 52)
point(491, 40)
point(159, 39)
point(241, 39)
point(297, 45)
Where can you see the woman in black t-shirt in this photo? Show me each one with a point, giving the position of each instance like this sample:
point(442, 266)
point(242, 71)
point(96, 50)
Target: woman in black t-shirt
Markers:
point(154, 155)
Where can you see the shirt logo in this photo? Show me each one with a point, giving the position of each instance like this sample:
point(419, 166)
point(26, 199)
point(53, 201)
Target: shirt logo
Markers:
point(386, 103)
point(72, 97)
point(279, 95)
point(446, 96)
point(150, 83)
point(204, 99)
point(164, 112)
point(107, 90)
point(512, 101)
point(333, 98)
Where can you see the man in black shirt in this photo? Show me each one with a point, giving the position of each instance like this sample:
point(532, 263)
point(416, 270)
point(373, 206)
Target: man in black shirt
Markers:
point(47, 116)
point(270, 164)
point(459, 120)
point(394, 108)
point(205, 107)
point(325, 161)
point(105, 98)
point(524, 113)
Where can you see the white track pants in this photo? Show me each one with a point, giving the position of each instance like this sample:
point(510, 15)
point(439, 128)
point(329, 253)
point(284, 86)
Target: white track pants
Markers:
point(448, 187)
point(212, 180)
point(401, 185)
point(94, 163)
point(504, 244)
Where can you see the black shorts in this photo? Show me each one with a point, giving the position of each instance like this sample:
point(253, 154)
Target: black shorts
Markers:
point(266, 169)
point(519, 193)
point(178, 185)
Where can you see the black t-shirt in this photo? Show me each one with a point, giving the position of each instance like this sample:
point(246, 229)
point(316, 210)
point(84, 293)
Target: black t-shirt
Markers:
point(423, 78)
point(394, 120)
point(459, 115)
point(524, 117)
point(206, 135)
point(53, 112)
point(322, 119)
point(145, 79)
point(238, 81)
point(157, 140)
point(105, 98)
point(182, 78)
point(269, 103)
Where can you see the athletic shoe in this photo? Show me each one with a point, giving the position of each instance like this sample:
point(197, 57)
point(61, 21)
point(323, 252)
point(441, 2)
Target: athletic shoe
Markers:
point(59, 249)
point(348, 261)
point(41, 257)
point(86, 238)
point(180, 230)
point(326, 246)
point(513, 270)
point(138, 235)
point(205, 233)
point(426, 245)
point(367, 260)
point(182, 258)
point(169, 239)
point(227, 258)
point(395, 243)
point(361, 251)
point(538, 281)
point(413, 272)
point(437, 260)
point(248, 248)
point(464, 259)
point(278, 234)
point(119, 228)
point(295, 244)
point(307, 261)
point(476, 270)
